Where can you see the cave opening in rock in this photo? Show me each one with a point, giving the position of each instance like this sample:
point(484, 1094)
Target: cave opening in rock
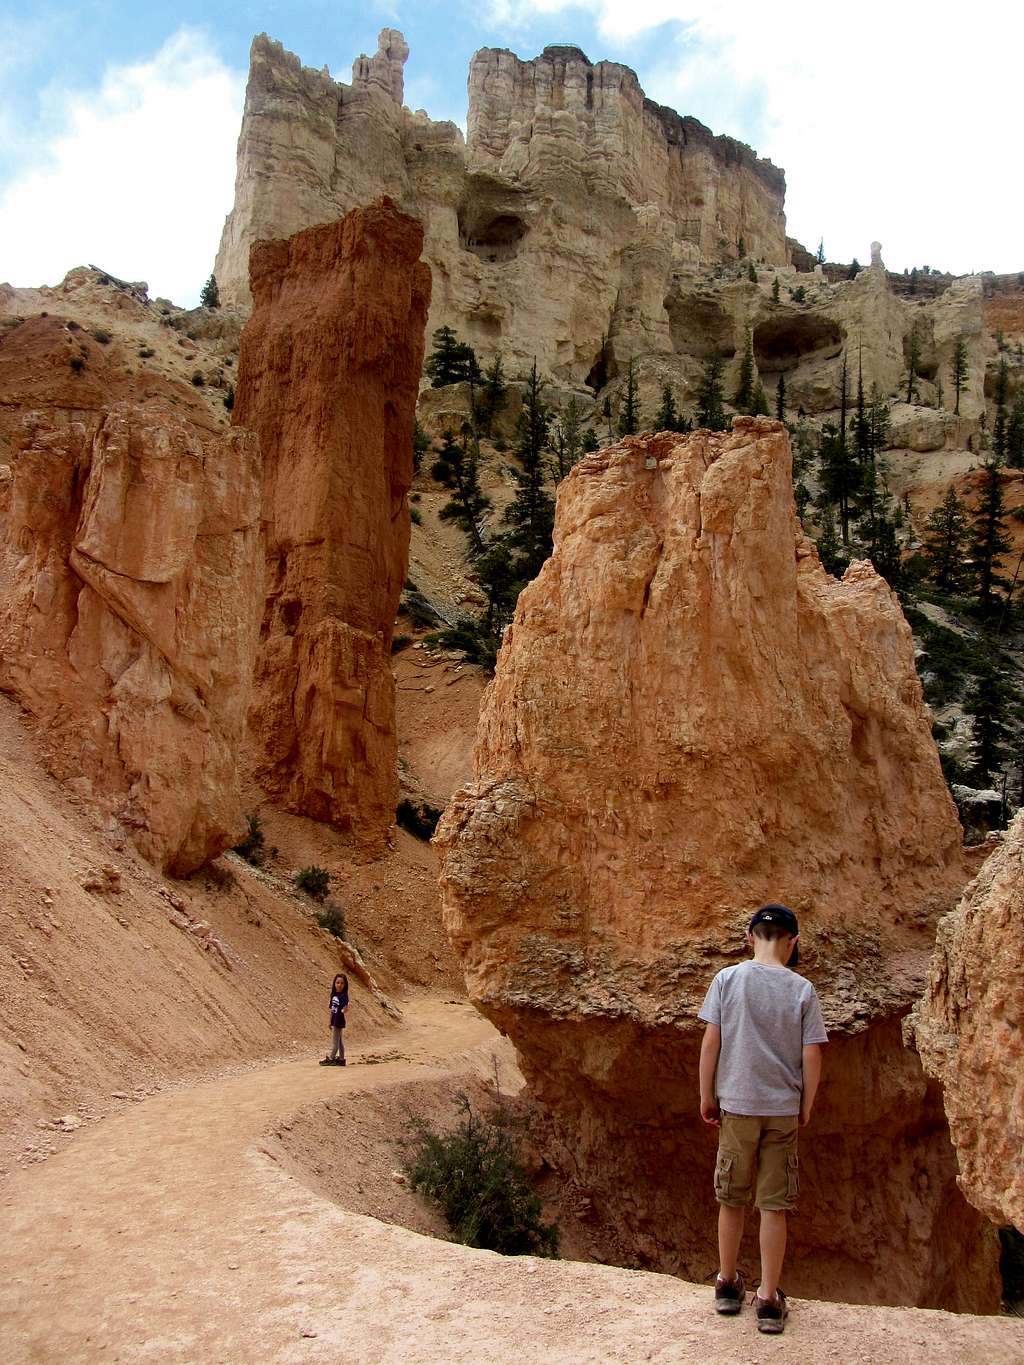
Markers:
point(781, 343)
point(494, 237)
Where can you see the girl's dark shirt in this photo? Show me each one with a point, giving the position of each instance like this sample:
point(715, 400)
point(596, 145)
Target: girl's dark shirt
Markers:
point(338, 1004)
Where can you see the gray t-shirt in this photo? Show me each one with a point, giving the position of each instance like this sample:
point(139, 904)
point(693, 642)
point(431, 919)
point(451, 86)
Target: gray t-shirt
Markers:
point(767, 1015)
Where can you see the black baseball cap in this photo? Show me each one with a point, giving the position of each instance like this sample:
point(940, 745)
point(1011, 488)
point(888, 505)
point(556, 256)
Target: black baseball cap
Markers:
point(773, 913)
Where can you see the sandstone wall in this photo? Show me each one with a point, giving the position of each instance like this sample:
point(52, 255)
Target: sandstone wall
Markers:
point(129, 606)
point(328, 372)
point(532, 229)
point(969, 1030)
point(690, 717)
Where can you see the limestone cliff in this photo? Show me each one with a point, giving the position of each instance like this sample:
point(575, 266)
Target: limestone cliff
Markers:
point(532, 227)
point(969, 1030)
point(327, 377)
point(129, 607)
point(690, 717)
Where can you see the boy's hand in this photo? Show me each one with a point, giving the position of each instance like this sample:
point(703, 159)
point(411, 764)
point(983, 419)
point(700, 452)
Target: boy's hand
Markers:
point(709, 1113)
point(805, 1115)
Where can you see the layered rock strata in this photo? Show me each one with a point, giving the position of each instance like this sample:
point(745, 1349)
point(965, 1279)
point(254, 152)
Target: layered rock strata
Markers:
point(327, 378)
point(129, 609)
point(969, 1031)
point(534, 227)
point(690, 717)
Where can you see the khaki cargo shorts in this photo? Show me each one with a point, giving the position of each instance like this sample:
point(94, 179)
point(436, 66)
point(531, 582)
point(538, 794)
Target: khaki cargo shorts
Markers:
point(766, 1145)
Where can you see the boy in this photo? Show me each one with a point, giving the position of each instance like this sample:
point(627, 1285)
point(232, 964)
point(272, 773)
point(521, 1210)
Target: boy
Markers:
point(760, 1063)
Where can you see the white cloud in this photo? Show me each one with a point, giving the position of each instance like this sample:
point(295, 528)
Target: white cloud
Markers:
point(897, 121)
point(139, 178)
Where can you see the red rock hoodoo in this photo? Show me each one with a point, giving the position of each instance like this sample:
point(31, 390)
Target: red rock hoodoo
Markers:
point(691, 717)
point(129, 611)
point(969, 1030)
point(328, 374)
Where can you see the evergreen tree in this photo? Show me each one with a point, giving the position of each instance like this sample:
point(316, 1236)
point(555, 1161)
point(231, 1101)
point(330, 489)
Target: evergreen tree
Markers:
point(629, 416)
point(530, 515)
point(759, 406)
point(420, 445)
point(960, 370)
point(999, 425)
point(210, 296)
point(710, 407)
point(861, 422)
point(606, 413)
point(819, 255)
point(669, 417)
point(775, 289)
point(451, 361)
point(780, 398)
point(854, 270)
point(946, 538)
point(802, 498)
point(884, 551)
point(913, 362)
point(840, 473)
point(879, 416)
point(989, 539)
point(741, 248)
point(1015, 433)
point(751, 273)
point(744, 399)
point(988, 705)
point(494, 390)
point(456, 468)
point(590, 441)
point(567, 439)
point(830, 552)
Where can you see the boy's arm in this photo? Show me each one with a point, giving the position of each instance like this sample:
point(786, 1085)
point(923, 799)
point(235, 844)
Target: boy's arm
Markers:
point(812, 1075)
point(709, 1050)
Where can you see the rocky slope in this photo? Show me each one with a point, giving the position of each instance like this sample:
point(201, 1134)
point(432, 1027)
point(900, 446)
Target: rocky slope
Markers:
point(969, 1031)
point(690, 717)
point(328, 374)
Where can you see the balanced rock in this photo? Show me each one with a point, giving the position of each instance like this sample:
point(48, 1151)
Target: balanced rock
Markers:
point(130, 589)
point(690, 717)
point(969, 1031)
point(327, 377)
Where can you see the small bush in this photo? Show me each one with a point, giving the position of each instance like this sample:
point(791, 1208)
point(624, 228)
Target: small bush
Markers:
point(229, 397)
point(314, 880)
point(252, 846)
point(77, 364)
point(198, 379)
point(418, 609)
point(399, 643)
point(415, 497)
point(415, 516)
point(101, 336)
point(72, 325)
point(420, 820)
point(332, 918)
point(146, 352)
point(476, 1177)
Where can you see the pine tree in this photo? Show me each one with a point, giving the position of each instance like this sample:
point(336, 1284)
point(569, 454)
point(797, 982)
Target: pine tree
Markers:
point(989, 539)
point(530, 515)
point(840, 473)
point(988, 703)
point(854, 270)
point(744, 398)
point(759, 406)
point(913, 362)
point(1015, 433)
point(947, 535)
point(567, 439)
point(884, 551)
point(710, 407)
point(879, 416)
point(780, 398)
point(590, 441)
point(629, 417)
point(819, 255)
point(751, 273)
point(451, 361)
point(861, 422)
point(668, 414)
point(420, 445)
point(999, 425)
point(456, 468)
point(776, 290)
point(210, 296)
point(830, 553)
point(494, 390)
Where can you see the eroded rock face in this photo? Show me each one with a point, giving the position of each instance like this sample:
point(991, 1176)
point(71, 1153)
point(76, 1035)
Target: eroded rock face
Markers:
point(569, 175)
point(690, 717)
point(130, 595)
point(969, 1031)
point(327, 378)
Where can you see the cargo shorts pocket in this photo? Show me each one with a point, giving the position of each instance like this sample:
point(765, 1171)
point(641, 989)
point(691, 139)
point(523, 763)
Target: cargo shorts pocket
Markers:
point(723, 1175)
point(792, 1177)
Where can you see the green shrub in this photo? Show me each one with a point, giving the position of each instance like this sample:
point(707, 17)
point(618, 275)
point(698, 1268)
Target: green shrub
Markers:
point(475, 1175)
point(418, 609)
point(72, 325)
point(197, 379)
point(252, 846)
point(229, 397)
point(415, 516)
point(332, 918)
point(146, 352)
point(101, 336)
point(478, 645)
point(314, 880)
point(420, 820)
point(399, 643)
point(77, 364)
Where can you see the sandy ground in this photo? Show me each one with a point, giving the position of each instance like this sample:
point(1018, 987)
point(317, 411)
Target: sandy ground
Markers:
point(164, 1234)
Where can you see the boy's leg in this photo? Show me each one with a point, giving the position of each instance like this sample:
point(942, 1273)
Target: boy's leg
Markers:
point(777, 1190)
point(730, 1234)
point(773, 1251)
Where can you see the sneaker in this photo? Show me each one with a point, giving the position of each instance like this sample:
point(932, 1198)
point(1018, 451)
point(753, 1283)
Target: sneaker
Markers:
point(771, 1313)
point(729, 1294)
point(326, 1061)
point(339, 1061)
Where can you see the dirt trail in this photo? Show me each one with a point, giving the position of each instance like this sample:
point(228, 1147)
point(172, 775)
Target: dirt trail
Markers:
point(164, 1234)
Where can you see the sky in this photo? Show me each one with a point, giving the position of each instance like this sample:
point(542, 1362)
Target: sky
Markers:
point(898, 122)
